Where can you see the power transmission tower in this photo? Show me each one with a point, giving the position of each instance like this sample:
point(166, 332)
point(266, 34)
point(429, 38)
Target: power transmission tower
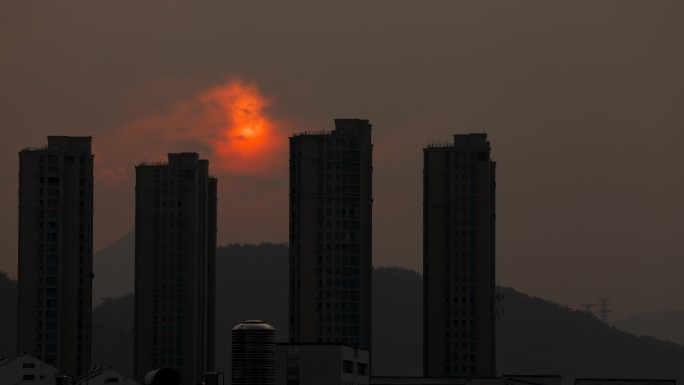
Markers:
point(603, 310)
point(588, 307)
point(498, 301)
point(499, 310)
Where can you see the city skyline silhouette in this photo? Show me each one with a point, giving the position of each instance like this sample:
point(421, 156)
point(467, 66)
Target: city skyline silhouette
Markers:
point(581, 102)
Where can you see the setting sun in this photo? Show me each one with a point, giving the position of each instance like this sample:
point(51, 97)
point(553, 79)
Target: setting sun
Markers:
point(245, 134)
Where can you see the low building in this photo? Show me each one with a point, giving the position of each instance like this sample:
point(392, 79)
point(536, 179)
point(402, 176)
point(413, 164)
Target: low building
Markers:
point(26, 369)
point(390, 380)
point(620, 381)
point(503, 380)
point(103, 375)
point(438, 381)
point(315, 364)
point(533, 379)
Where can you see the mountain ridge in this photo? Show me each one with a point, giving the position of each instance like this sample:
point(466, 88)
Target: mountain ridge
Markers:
point(663, 324)
point(114, 269)
point(535, 336)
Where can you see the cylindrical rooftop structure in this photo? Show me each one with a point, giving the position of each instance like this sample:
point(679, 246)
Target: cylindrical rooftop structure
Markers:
point(162, 376)
point(253, 353)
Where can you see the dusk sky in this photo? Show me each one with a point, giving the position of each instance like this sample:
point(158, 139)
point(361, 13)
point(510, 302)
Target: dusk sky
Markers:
point(583, 102)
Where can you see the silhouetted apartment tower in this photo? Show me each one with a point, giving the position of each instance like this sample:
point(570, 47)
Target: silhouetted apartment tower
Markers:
point(175, 251)
point(458, 258)
point(330, 235)
point(56, 253)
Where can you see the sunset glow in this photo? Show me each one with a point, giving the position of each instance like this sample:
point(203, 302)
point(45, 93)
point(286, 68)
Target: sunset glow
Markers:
point(227, 124)
point(245, 134)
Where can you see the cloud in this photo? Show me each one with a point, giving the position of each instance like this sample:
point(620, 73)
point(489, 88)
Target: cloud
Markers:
point(110, 175)
point(228, 124)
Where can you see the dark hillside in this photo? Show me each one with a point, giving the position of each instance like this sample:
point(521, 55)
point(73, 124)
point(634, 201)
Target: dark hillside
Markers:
point(114, 269)
point(663, 324)
point(251, 283)
point(538, 336)
point(113, 334)
point(534, 336)
point(397, 322)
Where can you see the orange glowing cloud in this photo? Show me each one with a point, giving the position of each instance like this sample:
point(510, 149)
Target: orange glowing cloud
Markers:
point(227, 124)
point(244, 135)
point(110, 175)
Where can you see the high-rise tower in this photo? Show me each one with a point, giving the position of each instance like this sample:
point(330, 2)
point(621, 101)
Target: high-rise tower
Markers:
point(175, 251)
point(56, 253)
point(458, 258)
point(330, 235)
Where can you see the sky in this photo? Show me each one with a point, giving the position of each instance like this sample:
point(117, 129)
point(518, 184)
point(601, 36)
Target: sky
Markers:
point(582, 102)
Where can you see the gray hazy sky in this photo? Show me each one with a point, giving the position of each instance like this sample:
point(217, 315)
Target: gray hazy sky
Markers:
point(583, 102)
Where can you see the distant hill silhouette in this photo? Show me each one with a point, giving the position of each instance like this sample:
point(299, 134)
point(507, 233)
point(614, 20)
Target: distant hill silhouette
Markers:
point(534, 336)
point(538, 336)
point(251, 283)
point(663, 324)
point(397, 322)
point(113, 334)
point(114, 269)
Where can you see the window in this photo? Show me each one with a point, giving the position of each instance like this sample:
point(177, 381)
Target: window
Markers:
point(28, 377)
point(347, 366)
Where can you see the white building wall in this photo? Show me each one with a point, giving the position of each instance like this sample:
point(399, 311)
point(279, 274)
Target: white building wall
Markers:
point(26, 369)
point(616, 381)
point(106, 376)
point(522, 379)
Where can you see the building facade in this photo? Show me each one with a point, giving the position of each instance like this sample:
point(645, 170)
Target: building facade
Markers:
point(26, 369)
point(315, 364)
point(331, 235)
point(56, 253)
point(504, 380)
point(103, 375)
point(458, 258)
point(623, 381)
point(175, 252)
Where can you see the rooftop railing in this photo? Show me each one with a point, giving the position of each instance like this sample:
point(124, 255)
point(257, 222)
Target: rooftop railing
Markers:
point(312, 133)
point(45, 148)
point(152, 164)
point(437, 144)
